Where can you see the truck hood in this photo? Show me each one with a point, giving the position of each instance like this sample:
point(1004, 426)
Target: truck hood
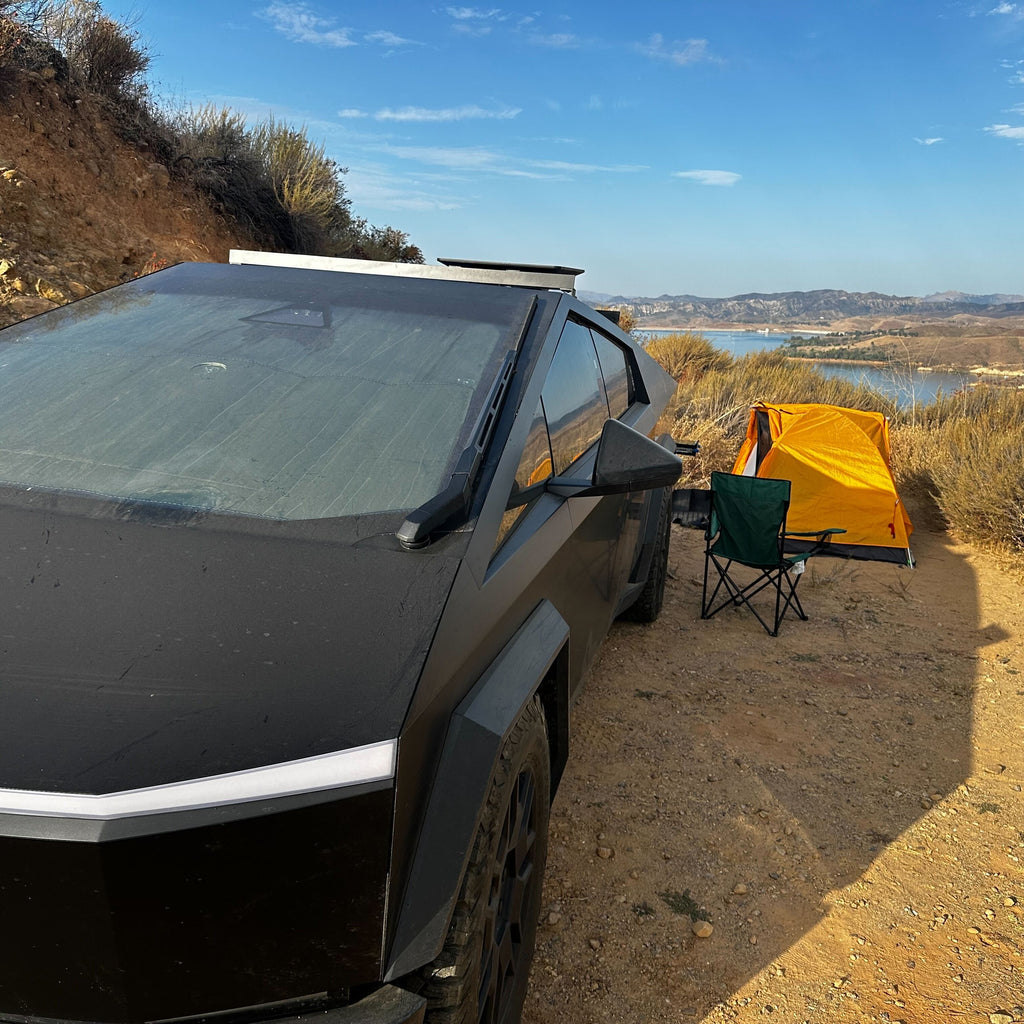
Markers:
point(145, 645)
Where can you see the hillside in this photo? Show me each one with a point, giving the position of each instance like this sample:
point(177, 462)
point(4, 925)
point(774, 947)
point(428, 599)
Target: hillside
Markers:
point(81, 209)
point(823, 307)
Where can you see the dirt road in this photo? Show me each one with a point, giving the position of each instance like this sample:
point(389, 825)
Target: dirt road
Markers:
point(842, 803)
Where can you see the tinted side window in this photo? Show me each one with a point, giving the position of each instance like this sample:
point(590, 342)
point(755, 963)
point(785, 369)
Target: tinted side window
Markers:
point(616, 374)
point(534, 469)
point(573, 397)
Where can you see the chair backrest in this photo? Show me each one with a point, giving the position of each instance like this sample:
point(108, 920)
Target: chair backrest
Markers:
point(748, 514)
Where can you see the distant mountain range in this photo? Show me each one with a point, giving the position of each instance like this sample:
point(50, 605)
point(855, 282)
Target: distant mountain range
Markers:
point(825, 305)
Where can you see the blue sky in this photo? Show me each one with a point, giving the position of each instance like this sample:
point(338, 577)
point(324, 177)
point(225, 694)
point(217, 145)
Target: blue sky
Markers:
point(710, 147)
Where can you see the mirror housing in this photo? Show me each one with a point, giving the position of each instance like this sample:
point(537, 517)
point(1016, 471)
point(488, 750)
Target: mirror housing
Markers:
point(626, 461)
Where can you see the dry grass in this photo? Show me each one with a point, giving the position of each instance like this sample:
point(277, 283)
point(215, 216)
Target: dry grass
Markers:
point(270, 179)
point(961, 457)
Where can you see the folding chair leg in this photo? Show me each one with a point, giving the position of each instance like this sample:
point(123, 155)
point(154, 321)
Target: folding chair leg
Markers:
point(784, 583)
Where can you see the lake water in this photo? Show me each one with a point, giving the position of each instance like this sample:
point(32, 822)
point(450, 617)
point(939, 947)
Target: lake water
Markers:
point(926, 384)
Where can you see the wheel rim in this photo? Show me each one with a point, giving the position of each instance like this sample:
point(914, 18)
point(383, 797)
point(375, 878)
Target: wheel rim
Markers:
point(509, 903)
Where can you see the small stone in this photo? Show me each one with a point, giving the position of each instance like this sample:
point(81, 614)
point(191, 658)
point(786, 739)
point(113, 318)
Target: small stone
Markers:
point(634, 874)
point(926, 804)
point(78, 289)
point(554, 917)
point(160, 175)
point(5, 265)
point(49, 291)
point(739, 889)
point(605, 852)
point(702, 929)
point(1000, 1018)
point(753, 940)
point(1009, 901)
point(595, 944)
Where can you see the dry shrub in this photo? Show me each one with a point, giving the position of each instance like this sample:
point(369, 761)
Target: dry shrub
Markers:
point(214, 150)
point(914, 451)
point(306, 182)
point(687, 355)
point(103, 54)
point(979, 467)
point(111, 58)
point(717, 452)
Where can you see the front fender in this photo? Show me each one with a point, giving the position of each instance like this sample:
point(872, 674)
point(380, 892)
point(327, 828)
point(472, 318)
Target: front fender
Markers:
point(471, 750)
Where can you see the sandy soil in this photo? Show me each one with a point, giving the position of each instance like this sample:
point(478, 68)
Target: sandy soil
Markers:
point(842, 803)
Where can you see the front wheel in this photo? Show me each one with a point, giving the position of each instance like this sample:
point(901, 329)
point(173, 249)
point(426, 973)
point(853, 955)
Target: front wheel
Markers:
point(481, 974)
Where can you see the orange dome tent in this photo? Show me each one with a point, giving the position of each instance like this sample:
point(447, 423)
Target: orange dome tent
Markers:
point(838, 462)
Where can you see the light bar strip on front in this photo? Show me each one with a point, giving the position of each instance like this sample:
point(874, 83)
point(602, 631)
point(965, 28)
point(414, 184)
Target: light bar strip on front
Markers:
point(374, 762)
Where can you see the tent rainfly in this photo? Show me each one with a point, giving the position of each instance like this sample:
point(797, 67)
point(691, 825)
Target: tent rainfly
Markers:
point(838, 462)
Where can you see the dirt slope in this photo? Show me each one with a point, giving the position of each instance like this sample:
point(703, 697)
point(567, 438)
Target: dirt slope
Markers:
point(80, 210)
point(843, 803)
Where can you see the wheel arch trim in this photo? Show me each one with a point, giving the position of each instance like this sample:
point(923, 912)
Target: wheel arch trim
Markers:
point(472, 747)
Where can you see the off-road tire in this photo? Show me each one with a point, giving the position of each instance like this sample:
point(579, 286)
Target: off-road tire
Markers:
point(647, 606)
point(481, 973)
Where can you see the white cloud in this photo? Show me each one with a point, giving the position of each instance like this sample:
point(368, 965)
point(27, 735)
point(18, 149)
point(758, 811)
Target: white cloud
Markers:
point(297, 22)
point(709, 177)
point(687, 51)
point(1006, 131)
point(351, 112)
point(390, 39)
point(595, 103)
point(454, 158)
point(373, 187)
point(486, 161)
point(557, 41)
point(472, 13)
point(474, 21)
point(1005, 8)
point(929, 142)
point(562, 165)
point(447, 114)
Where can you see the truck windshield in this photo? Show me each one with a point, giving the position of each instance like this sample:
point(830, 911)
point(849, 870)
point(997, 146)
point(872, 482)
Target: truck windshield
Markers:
point(261, 391)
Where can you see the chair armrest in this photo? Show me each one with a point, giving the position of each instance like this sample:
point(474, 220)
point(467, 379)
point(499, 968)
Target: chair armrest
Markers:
point(814, 533)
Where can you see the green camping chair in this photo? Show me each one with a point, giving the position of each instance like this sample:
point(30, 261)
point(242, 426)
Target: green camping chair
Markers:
point(748, 528)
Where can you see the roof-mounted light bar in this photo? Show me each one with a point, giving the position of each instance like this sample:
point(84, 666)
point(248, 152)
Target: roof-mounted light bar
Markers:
point(521, 275)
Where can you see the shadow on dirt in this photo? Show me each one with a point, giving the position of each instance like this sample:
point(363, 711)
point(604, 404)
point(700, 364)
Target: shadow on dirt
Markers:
point(723, 774)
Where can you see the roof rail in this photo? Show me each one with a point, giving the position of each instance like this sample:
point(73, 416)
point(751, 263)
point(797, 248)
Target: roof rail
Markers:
point(521, 275)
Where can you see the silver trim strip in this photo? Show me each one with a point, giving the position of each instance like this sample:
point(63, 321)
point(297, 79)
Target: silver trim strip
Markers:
point(475, 275)
point(374, 762)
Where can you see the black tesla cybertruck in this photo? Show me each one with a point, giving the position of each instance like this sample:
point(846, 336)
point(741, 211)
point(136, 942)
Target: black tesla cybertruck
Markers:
point(302, 563)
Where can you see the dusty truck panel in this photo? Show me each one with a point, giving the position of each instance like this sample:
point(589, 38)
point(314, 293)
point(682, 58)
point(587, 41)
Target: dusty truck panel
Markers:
point(281, 540)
